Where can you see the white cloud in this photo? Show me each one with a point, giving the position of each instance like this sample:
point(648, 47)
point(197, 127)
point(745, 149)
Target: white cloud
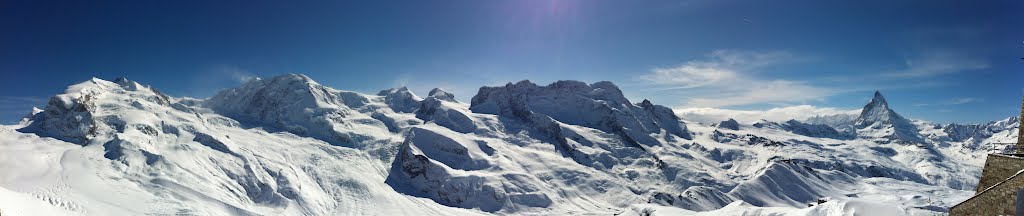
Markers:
point(954, 101)
point(235, 73)
point(727, 75)
point(764, 91)
point(799, 112)
point(689, 76)
point(958, 101)
point(937, 63)
point(748, 59)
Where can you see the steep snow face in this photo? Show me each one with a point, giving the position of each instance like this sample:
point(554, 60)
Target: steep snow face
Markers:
point(840, 122)
point(446, 113)
point(297, 104)
point(599, 105)
point(401, 99)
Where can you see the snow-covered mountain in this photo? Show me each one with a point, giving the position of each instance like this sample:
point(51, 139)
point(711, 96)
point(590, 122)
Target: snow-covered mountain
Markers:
point(288, 145)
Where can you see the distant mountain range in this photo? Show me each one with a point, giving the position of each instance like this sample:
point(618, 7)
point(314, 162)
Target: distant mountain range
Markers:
point(288, 145)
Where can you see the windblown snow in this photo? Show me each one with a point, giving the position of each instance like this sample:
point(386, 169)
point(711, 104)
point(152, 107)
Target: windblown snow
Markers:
point(288, 145)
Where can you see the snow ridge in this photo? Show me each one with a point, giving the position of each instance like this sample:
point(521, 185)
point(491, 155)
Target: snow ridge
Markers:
point(288, 145)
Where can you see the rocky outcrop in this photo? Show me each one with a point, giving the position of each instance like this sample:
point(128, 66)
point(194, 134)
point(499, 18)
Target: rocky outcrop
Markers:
point(962, 132)
point(440, 94)
point(599, 105)
point(815, 130)
point(441, 112)
point(730, 124)
point(90, 111)
point(432, 164)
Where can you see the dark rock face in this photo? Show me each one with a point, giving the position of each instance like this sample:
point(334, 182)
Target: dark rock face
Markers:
point(744, 139)
point(70, 121)
point(433, 109)
point(815, 130)
point(440, 94)
point(730, 124)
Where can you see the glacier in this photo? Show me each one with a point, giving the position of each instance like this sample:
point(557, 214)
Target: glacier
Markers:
point(287, 145)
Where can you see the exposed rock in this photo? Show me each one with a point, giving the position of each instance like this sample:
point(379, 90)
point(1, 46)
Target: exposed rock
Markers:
point(440, 94)
point(730, 124)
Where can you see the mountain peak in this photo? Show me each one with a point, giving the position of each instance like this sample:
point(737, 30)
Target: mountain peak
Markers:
point(390, 91)
point(401, 99)
point(877, 110)
point(599, 105)
point(291, 78)
point(440, 94)
point(879, 98)
point(878, 114)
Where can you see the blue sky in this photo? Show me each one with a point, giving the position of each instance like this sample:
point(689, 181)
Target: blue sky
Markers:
point(943, 61)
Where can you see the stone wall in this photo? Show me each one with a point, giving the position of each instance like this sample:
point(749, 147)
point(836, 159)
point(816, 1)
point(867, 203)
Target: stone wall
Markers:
point(1020, 130)
point(1000, 198)
point(998, 168)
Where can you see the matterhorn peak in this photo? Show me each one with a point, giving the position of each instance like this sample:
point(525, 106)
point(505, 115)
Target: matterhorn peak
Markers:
point(879, 99)
point(877, 110)
point(877, 115)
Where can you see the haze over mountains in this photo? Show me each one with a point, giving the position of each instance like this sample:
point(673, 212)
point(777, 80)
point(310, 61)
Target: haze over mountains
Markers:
point(288, 145)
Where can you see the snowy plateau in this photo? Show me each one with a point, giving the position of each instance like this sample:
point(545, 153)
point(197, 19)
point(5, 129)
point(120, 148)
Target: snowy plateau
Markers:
point(287, 145)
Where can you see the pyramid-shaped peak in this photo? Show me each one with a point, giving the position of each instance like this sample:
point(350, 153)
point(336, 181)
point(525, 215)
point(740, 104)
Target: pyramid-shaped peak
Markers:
point(877, 104)
point(879, 98)
point(878, 110)
point(437, 91)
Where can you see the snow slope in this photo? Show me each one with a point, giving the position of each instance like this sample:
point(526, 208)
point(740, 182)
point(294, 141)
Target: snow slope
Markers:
point(287, 145)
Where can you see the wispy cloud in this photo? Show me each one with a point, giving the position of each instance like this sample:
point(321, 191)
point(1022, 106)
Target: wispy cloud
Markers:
point(689, 75)
point(954, 101)
point(799, 112)
point(728, 73)
point(957, 101)
point(937, 63)
point(236, 73)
